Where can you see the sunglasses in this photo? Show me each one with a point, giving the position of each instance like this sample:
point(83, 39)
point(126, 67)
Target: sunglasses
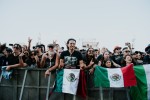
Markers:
point(117, 49)
point(127, 51)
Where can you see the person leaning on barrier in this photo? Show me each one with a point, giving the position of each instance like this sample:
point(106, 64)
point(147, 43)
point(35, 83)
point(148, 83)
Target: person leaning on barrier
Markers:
point(6, 52)
point(32, 61)
point(50, 60)
point(13, 59)
point(127, 60)
point(71, 59)
point(90, 61)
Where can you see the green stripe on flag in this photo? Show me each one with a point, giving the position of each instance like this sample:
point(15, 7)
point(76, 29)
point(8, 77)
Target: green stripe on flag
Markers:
point(59, 80)
point(101, 77)
point(139, 92)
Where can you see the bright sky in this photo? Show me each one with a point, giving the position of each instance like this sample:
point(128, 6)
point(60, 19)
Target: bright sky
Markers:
point(110, 22)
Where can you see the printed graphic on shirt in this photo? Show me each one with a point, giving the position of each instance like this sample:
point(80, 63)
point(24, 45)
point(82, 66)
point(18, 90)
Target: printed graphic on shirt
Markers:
point(70, 61)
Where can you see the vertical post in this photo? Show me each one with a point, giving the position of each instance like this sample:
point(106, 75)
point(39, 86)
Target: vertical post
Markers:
point(1, 78)
point(38, 84)
point(24, 80)
point(48, 86)
point(101, 93)
point(127, 92)
point(15, 88)
point(49, 79)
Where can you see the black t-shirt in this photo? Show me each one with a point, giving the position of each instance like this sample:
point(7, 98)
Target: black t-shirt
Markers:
point(146, 59)
point(14, 59)
point(47, 62)
point(31, 62)
point(99, 57)
point(71, 59)
point(117, 58)
point(87, 59)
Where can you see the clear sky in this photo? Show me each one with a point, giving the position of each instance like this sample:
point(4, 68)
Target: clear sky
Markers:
point(110, 22)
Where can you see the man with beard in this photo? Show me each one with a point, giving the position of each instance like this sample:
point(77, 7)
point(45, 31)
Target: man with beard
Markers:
point(90, 61)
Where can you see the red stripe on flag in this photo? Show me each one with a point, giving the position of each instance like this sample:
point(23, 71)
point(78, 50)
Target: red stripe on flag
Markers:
point(82, 85)
point(128, 75)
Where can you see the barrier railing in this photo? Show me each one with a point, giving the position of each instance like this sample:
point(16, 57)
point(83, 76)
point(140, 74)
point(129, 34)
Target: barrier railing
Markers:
point(30, 84)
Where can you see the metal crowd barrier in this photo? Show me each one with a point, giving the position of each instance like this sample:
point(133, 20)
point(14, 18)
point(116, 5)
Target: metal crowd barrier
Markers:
point(31, 84)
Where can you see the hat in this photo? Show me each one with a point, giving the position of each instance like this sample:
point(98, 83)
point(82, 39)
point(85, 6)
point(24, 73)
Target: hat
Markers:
point(117, 47)
point(148, 47)
point(124, 48)
point(18, 46)
point(50, 45)
point(9, 50)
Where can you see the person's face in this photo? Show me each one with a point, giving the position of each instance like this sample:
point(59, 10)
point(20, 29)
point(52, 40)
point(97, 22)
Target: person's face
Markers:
point(50, 49)
point(32, 55)
point(117, 50)
point(108, 63)
point(128, 59)
point(126, 52)
point(71, 45)
point(5, 52)
point(106, 55)
point(96, 52)
point(91, 52)
point(38, 49)
point(139, 56)
point(15, 49)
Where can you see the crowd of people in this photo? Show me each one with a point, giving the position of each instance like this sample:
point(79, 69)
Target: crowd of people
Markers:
point(73, 58)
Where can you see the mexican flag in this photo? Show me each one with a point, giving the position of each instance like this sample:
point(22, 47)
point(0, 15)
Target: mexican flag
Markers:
point(67, 81)
point(142, 90)
point(114, 77)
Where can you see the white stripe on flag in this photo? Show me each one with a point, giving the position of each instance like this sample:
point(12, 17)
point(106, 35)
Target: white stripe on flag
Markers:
point(115, 77)
point(70, 81)
point(147, 72)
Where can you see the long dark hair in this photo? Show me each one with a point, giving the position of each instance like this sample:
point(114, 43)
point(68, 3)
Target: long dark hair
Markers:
point(68, 42)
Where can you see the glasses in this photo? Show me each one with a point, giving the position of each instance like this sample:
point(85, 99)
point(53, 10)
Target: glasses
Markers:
point(15, 47)
point(127, 51)
point(117, 49)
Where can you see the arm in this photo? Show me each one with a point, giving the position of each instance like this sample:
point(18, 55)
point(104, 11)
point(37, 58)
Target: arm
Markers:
point(42, 63)
point(12, 66)
point(82, 65)
point(29, 43)
point(61, 63)
point(53, 67)
point(90, 64)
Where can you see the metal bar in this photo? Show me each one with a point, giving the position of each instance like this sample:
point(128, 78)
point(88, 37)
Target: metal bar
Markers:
point(48, 86)
point(38, 84)
point(24, 80)
point(15, 90)
point(127, 92)
point(41, 87)
point(1, 78)
point(101, 93)
point(111, 94)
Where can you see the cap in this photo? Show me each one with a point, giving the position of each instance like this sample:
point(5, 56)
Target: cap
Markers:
point(18, 46)
point(117, 47)
point(50, 45)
